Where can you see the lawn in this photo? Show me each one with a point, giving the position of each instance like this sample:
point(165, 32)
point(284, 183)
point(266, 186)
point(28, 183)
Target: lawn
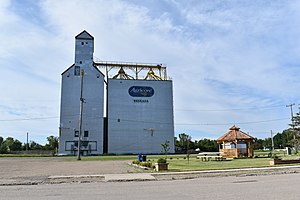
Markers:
point(181, 163)
point(197, 164)
point(116, 157)
point(24, 155)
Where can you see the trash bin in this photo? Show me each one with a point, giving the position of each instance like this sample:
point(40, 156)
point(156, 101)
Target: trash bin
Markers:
point(144, 158)
point(288, 150)
point(140, 158)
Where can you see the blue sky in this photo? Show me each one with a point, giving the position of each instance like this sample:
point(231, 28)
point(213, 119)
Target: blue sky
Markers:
point(231, 62)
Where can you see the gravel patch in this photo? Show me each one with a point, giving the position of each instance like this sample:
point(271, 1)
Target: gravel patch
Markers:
point(37, 170)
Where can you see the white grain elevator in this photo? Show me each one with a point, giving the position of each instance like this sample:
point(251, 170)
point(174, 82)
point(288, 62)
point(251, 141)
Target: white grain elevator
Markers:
point(128, 107)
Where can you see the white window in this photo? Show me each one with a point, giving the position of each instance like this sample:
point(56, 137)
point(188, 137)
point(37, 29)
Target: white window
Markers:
point(76, 133)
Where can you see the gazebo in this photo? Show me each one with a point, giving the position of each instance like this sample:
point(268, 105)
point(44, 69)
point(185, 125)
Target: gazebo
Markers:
point(236, 143)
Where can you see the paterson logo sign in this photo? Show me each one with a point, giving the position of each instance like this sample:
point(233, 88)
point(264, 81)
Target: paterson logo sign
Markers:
point(141, 91)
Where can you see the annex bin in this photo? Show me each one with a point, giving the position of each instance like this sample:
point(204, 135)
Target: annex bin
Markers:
point(144, 158)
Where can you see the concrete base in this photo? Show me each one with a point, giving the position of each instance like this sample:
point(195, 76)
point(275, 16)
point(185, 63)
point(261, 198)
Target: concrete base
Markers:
point(279, 161)
point(161, 166)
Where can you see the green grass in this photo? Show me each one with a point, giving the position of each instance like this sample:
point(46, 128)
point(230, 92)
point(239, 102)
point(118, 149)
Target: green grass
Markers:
point(24, 155)
point(103, 158)
point(194, 164)
point(179, 162)
point(197, 164)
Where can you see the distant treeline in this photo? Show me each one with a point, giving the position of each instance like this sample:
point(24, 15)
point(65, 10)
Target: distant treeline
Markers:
point(184, 142)
point(11, 145)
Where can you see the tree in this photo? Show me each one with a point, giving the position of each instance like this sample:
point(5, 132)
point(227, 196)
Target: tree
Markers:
point(295, 129)
point(165, 147)
point(3, 148)
point(258, 144)
point(52, 143)
point(296, 120)
point(35, 146)
point(207, 145)
point(12, 145)
point(184, 143)
point(286, 137)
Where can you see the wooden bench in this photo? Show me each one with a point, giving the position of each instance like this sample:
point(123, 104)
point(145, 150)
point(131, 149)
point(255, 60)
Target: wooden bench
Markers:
point(262, 154)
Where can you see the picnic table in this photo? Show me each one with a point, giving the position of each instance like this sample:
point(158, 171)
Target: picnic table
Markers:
point(207, 156)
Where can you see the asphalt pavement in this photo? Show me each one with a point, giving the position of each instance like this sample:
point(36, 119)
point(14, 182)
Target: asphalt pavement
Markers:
point(283, 186)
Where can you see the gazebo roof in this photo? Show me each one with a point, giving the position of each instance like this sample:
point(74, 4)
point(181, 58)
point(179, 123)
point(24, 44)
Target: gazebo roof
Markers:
point(234, 134)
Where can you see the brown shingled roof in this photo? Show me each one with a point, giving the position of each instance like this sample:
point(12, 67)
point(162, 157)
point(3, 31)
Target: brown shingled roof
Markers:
point(234, 134)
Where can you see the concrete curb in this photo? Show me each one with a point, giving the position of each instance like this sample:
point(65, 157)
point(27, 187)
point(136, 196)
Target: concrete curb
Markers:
point(129, 177)
point(75, 179)
point(101, 178)
point(229, 172)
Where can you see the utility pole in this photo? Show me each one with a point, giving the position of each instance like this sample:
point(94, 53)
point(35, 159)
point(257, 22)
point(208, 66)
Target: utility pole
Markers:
point(105, 125)
point(272, 140)
point(27, 142)
point(292, 114)
point(293, 124)
point(80, 113)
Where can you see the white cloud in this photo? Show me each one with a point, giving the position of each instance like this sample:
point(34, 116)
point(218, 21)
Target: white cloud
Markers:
point(221, 55)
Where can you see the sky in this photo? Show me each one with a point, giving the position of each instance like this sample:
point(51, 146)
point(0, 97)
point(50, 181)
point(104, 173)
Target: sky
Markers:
point(231, 61)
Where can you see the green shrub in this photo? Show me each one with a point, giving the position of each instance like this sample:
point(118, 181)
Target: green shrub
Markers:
point(146, 164)
point(161, 160)
point(274, 156)
point(136, 162)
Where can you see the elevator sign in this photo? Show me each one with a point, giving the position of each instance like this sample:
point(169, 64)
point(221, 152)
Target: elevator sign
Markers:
point(141, 91)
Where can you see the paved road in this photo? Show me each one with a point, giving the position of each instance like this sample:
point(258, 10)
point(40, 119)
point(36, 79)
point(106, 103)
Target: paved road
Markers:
point(215, 188)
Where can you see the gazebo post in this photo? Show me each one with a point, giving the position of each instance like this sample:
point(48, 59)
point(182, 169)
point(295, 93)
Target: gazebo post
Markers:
point(236, 149)
point(250, 149)
point(224, 148)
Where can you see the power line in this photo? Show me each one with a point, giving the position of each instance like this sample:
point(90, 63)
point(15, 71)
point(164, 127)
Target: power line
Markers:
point(204, 124)
point(35, 118)
point(27, 119)
point(230, 109)
point(220, 124)
point(157, 122)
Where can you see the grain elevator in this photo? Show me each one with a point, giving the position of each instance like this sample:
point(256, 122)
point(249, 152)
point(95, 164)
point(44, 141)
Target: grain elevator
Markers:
point(128, 107)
